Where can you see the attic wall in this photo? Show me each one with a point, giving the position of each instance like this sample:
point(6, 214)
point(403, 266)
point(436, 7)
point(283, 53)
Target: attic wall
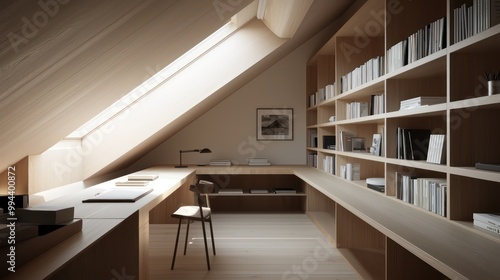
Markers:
point(62, 62)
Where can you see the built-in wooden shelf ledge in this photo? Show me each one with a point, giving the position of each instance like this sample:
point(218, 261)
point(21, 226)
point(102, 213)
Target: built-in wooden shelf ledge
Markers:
point(475, 173)
point(374, 86)
point(378, 118)
point(246, 169)
point(473, 103)
point(430, 110)
point(369, 263)
point(419, 164)
point(246, 194)
point(327, 124)
point(477, 230)
point(365, 156)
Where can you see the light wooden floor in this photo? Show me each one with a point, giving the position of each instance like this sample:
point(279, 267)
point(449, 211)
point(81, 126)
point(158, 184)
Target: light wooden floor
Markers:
point(249, 246)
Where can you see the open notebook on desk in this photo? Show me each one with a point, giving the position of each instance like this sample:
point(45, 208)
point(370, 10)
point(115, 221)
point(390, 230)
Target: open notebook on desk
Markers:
point(119, 195)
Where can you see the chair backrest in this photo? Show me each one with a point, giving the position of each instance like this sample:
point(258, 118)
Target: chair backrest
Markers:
point(205, 186)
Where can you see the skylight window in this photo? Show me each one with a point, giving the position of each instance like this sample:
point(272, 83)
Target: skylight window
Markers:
point(159, 78)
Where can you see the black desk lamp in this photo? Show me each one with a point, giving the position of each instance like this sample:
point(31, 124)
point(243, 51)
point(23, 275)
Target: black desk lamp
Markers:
point(202, 151)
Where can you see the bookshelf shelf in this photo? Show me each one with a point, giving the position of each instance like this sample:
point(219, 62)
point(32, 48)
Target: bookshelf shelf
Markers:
point(467, 118)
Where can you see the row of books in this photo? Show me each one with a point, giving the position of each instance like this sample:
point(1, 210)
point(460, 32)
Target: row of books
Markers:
point(377, 104)
point(468, 20)
point(356, 110)
point(426, 193)
point(365, 73)
point(312, 160)
point(421, 101)
point(323, 94)
point(437, 149)
point(351, 171)
point(422, 43)
point(488, 221)
point(329, 164)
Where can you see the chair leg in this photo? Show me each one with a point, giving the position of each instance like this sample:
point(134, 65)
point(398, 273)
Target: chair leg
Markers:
point(187, 234)
point(206, 245)
point(212, 233)
point(176, 242)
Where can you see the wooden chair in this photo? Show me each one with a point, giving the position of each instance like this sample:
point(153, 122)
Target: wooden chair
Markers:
point(201, 212)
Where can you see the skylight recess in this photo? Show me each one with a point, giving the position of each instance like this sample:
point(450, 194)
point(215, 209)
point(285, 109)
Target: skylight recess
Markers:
point(160, 77)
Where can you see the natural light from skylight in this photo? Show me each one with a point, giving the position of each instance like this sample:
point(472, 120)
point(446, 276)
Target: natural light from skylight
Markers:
point(159, 78)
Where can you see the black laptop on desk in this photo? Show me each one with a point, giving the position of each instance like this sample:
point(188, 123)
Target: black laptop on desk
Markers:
point(119, 195)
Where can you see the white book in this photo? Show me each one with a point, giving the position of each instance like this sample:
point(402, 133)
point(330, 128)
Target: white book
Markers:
point(486, 226)
point(489, 218)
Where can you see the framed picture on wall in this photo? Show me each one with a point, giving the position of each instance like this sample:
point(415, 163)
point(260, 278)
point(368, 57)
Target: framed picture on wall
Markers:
point(274, 124)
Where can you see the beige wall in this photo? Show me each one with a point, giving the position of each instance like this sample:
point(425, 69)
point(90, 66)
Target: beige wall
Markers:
point(229, 129)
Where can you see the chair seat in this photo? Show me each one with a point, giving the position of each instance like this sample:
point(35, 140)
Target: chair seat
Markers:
point(192, 212)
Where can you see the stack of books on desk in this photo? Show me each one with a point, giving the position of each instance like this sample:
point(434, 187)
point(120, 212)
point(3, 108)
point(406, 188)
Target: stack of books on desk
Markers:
point(137, 180)
point(258, 161)
point(220, 162)
point(488, 221)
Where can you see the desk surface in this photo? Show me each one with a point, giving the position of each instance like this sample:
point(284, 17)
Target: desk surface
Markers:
point(456, 251)
point(98, 219)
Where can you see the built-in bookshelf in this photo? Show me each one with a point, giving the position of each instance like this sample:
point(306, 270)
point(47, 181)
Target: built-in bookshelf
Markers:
point(239, 193)
point(424, 56)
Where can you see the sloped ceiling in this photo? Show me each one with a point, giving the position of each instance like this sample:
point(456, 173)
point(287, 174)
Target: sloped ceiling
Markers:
point(62, 62)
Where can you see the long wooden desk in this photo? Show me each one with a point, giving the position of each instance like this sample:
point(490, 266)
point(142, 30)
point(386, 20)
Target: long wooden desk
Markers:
point(431, 242)
point(113, 243)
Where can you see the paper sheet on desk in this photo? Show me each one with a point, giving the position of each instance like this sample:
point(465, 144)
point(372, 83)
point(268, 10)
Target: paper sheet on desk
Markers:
point(120, 195)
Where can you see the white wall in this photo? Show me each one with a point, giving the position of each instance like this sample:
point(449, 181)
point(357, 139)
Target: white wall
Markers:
point(229, 129)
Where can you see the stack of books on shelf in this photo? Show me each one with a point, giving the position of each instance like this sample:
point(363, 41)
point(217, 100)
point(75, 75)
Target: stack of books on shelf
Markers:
point(356, 110)
point(220, 162)
point(488, 221)
point(422, 43)
point(468, 20)
point(365, 73)
point(413, 144)
point(329, 164)
point(426, 193)
point(258, 162)
point(323, 94)
point(376, 104)
point(437, 149)
point(284, 190)
point(421, 101)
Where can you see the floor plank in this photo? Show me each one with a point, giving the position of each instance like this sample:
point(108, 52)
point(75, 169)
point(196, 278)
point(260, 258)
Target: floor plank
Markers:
point(249, 246)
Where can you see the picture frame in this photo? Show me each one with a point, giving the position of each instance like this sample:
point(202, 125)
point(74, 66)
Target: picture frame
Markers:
point(274, 124)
